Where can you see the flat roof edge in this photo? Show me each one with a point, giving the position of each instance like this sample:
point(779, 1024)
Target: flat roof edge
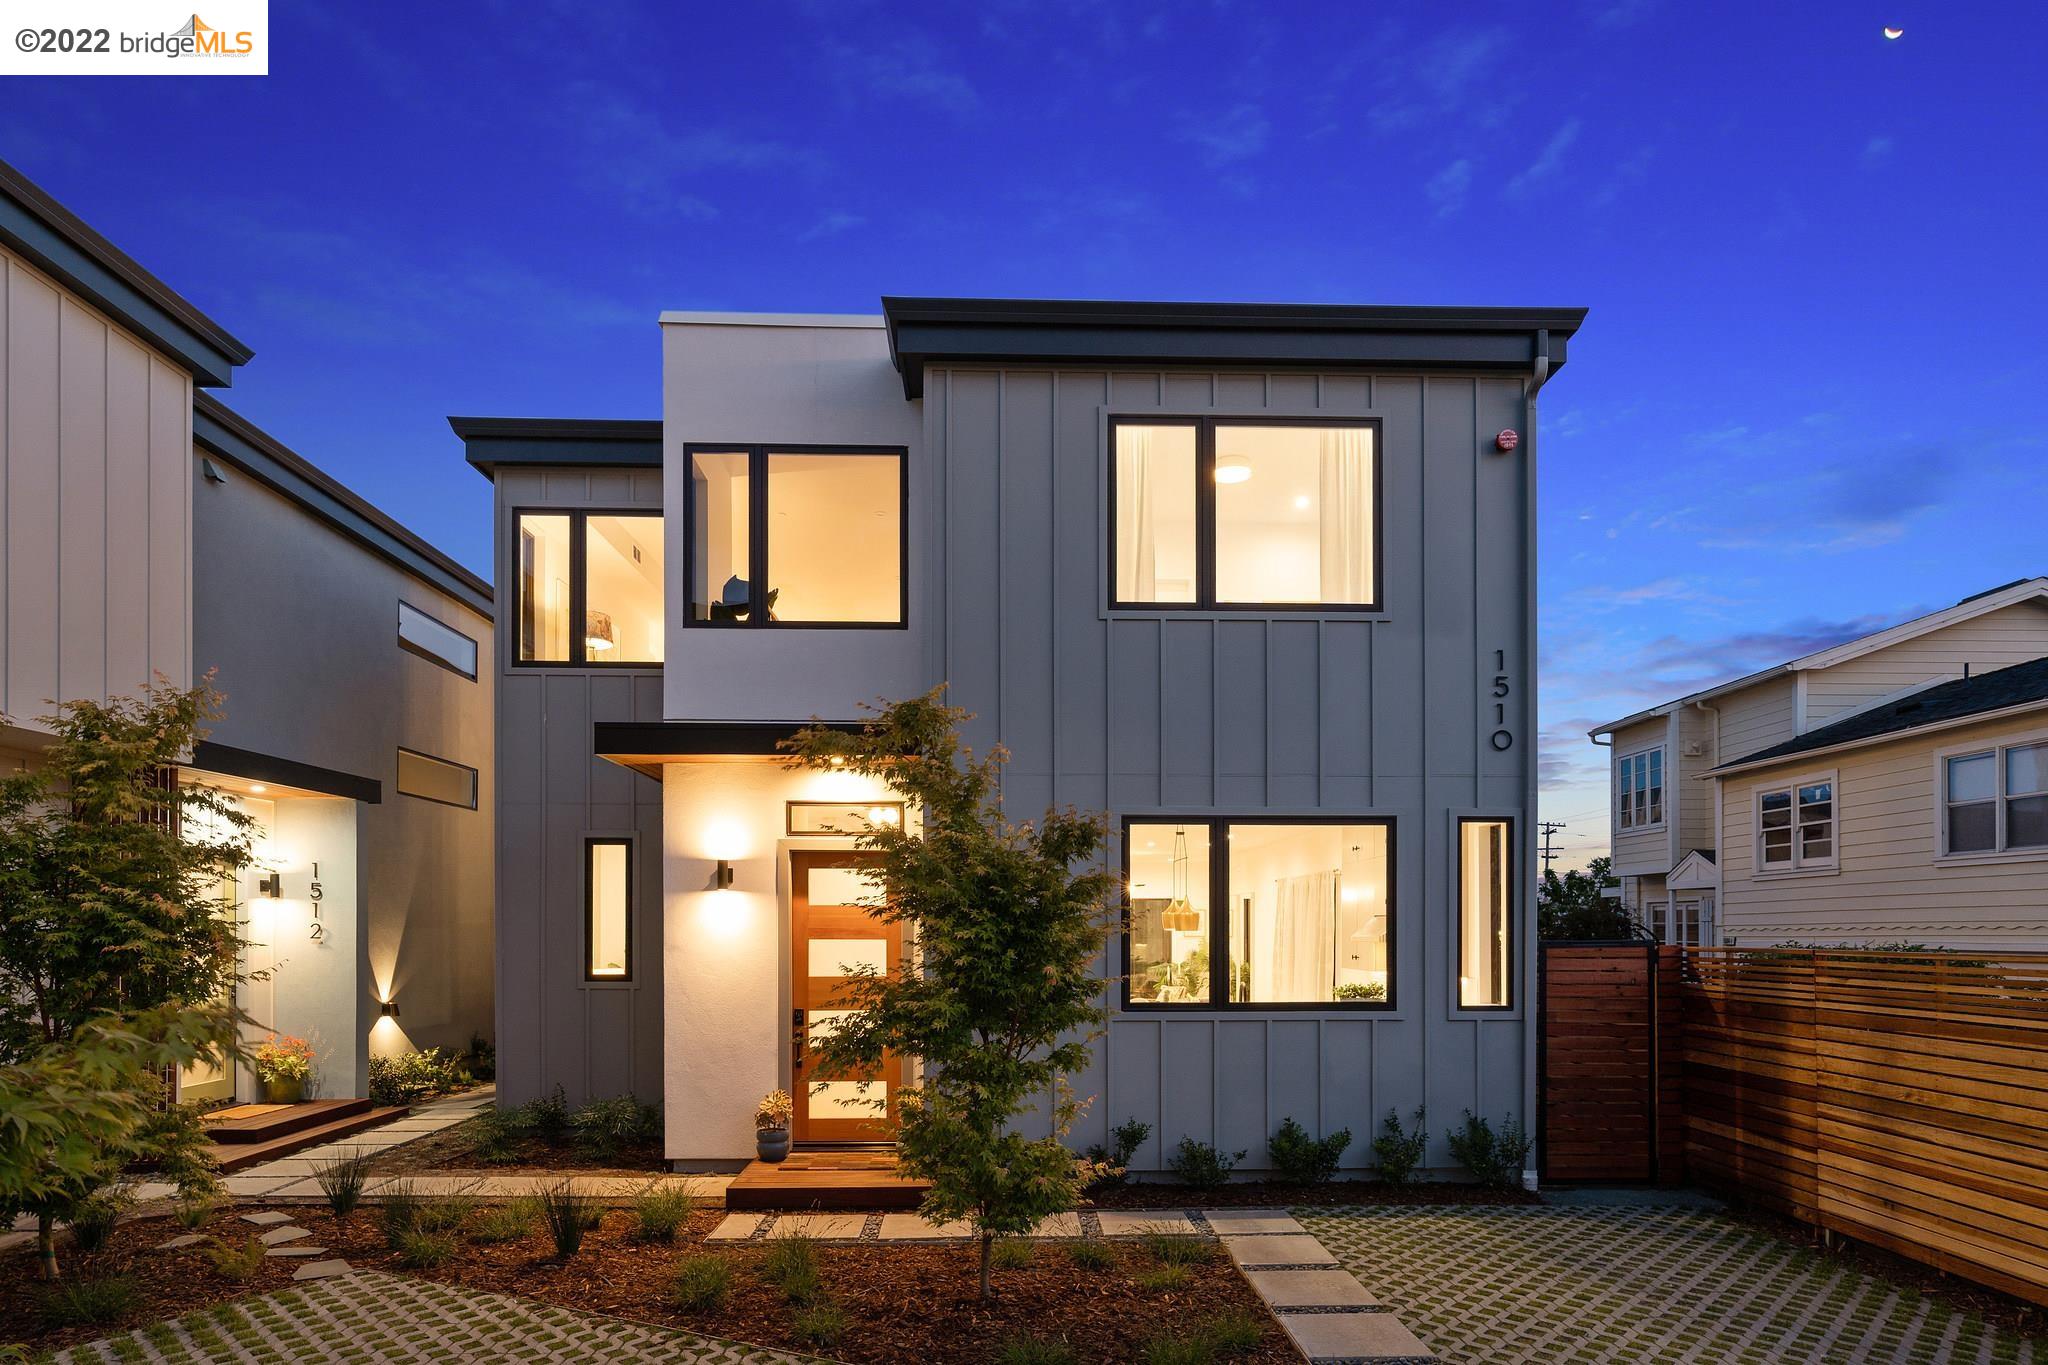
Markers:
point(683, 318)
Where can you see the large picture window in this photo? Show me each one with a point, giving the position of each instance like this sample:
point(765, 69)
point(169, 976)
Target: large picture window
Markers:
point(1996, 800)
point(602, 569)
point(1272, 513)
point(797, 536)
point(1259, 913)
point(1486, 892)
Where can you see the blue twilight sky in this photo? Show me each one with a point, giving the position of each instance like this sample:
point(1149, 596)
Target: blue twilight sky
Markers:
point(1807, 402)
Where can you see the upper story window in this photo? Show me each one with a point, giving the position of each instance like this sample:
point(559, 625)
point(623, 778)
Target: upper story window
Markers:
point(436, 779)
point(1996, 800)
point(1639, 789)
point(590, 588)
point(1273, 513)
point(421, 634)
point(1795, 826)
point(797, 536)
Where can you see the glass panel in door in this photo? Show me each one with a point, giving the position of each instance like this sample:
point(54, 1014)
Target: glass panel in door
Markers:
point(836, 937)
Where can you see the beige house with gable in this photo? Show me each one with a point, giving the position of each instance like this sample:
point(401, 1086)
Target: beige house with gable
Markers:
point(1685, 854)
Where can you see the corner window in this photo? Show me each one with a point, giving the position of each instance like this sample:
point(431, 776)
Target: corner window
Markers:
point(421, 634)
point(590, 588)
point(1271, 514)
point(1639, 790)
point(1485, 914)
point(1996, 800)
point(436, 779)
point(1258, 913)
point(797, 536)
point(1795, 826)
point(608, 906)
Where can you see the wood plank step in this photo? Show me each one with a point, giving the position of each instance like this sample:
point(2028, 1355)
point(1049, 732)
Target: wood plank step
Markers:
point(824, 1181)
point(236, 1156)
point(264, 1122)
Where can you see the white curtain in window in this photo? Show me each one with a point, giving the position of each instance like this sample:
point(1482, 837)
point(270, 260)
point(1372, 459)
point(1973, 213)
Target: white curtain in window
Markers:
point(1137, 543)
point(1346, 515)
point(1305, 937)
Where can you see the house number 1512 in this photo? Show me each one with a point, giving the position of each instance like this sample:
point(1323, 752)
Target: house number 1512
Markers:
point(316, 895)
point(1503, 738)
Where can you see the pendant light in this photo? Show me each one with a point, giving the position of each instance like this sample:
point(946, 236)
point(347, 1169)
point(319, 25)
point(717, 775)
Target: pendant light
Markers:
point(1179, 914)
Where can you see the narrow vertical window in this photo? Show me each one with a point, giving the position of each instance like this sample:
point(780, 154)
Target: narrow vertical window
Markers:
point(1656, 785)
point(2026, 796)
point(543, 589)
point(622, 614)
point(721, 534)
point(609, 905)
point(1155, 513)
point(1170, 914)
point(1485, 914)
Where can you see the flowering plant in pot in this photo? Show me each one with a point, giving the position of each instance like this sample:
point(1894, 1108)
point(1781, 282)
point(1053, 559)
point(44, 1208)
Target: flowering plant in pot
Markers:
point(283, 1066)
point(771, 1125)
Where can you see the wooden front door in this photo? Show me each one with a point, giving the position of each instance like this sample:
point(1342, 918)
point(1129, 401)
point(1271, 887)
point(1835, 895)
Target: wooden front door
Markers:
point(831, 931)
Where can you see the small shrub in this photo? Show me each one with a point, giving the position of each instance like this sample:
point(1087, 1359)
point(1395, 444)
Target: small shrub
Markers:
point(1175, 1348)
point(481, 1059)
point(1303, 1160)
point(604, 1128)
point(86, 1303)
point(92, 1222)
point(546, 1118)
point(415, 1076)
point(1036, 1351)
point(1494, 1158)
point(1233, 1333)
point(661, 1212)
point(342, 1181)
point(1115, 1160)
point(1010, 1253)
point(1199, 1165)
point(1397, 1150)
point(1362, 990)
point(567, 1215)
point(494, 1136)
point(510, 1222)
point(237, 1261)
point(1163, 1279)
point(1166, 1248)
point(191, 1214)
point(818, 1324)
point(791, 1265)
point(423, 1248)
point(701, 1283)
point(445, 1213)
point(1090, 1255)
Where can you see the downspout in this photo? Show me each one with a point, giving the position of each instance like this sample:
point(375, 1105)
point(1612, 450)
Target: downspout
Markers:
point(1532, 1011)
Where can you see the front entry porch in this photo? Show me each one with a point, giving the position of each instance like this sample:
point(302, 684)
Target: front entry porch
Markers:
point(825, 1180)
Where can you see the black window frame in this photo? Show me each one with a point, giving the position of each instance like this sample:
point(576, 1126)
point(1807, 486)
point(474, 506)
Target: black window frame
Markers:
point(790, 809)
point(1205, 514)
point(757, 454)
point(422, 652)
point(579, 585)
point(1513, 913)
point(475, 778)
point(1219, 1001)
point(591, 843)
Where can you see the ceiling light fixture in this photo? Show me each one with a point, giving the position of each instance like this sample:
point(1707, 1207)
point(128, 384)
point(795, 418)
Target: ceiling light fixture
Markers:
point(1233, 469)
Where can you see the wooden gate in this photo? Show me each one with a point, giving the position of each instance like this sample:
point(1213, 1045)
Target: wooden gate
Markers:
point(1609, 1097)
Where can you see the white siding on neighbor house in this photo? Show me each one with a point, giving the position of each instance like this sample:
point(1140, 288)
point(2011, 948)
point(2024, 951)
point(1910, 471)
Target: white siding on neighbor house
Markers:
point(1998, 639)
point(1693, 798)
point(1638, 854)
point(1889, 884)
point(95, 503)
point(1755, 718)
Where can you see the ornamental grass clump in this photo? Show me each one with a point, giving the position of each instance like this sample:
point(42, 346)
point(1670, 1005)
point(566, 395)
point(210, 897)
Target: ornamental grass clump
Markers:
point(86, 1303)
point(700, 1283)
point(1035, 1351)
point(567, 1215)
point(661, 1212)
point(1090, 1255)
point(509, 1222)
point(342, 1181)
point(793, 1266)
point(92, 1222)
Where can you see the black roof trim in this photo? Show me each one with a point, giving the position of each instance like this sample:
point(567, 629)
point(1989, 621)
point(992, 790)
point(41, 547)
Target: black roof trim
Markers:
point(492, 441)
point(2000, 690)
point(285, 772)
point(226, 433)
point(926, 331)
point(60, 243)
point(685, 738)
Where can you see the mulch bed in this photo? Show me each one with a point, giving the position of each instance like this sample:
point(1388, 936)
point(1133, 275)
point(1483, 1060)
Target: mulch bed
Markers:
point(901, 1302)
point(1264, 1194)
point(454, 1149)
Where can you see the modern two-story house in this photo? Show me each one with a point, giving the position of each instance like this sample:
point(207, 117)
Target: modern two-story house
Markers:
point(1799, 803)
point(1257, 582)
point(150, 531)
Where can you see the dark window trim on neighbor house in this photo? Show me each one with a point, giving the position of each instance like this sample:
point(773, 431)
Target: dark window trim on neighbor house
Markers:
point(579, 589)
point(759, 529)
point(1205, 516)
point(1219, 899)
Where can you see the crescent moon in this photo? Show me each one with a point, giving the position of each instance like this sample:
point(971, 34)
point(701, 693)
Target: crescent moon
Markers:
point(1894, 32)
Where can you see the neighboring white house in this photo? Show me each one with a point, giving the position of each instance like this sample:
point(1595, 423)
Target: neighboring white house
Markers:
point(1668, 824)
point(1254, 580)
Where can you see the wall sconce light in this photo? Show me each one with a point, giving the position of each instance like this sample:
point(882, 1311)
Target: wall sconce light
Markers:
point(722, 879)
point(389, 1009)
point(271, 884)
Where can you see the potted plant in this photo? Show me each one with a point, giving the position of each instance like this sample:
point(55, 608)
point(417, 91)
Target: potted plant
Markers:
point(771, 1126)
point(283, 1066)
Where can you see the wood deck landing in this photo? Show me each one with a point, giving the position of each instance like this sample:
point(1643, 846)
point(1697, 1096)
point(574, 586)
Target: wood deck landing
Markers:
point(245, 1134)
point(825, 1180)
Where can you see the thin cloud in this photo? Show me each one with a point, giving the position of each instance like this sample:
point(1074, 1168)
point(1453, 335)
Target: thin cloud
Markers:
point(1877, 150)
point(831, 225)
point(1548, 161)
point(1448, 188)
point(1236, 135)
point(910, 68)
point(1445, 81)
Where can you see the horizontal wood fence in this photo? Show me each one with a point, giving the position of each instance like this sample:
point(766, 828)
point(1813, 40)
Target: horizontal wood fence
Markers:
point(1897, 1098)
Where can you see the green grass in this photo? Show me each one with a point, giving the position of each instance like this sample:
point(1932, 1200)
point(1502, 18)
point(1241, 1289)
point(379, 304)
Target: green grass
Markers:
point(86, 1303)
point(1164, 1280)
point(1091, 1255)
point(701, 1282)
point(1166, 1249)
point(662, 1212)
point(423, 1249)
point(1011, 1253)
point(1035, 1351)
point(819, 1324)
point(510, 1222)
point(1234, 1332)
point(792, 1266)
point(1173, 1348)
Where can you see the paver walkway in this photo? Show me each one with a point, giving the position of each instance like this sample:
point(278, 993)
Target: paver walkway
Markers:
point(1494, 1286)
point(368, 1316)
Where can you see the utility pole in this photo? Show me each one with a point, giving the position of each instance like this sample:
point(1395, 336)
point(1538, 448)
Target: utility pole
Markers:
point(1549, 828)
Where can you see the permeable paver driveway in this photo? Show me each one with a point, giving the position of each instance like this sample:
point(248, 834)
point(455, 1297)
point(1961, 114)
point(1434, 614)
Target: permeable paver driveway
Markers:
point(368, 1317)
point(1490, 1286)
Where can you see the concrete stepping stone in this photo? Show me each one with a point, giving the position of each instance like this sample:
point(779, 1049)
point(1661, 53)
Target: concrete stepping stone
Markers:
point(1059, 1225)
point(279, 1236)
point(296, 1251)
point(266, 1218)
point(1146, 1223)
point(908, 1227)
point(320, 1270)
point(190, 1239)
point(826, 1227)
point(1378, 1338)
point(1304, 1250)
point(1285, 1289)
point(734, 1227)
point(1242, 1222)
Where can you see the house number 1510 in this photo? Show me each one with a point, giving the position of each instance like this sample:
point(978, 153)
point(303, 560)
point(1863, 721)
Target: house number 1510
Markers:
point(1503, 739)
